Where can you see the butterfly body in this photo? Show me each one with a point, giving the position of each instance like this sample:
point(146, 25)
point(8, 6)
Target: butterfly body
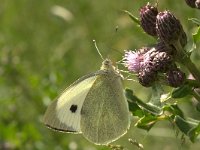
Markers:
point(94, 105)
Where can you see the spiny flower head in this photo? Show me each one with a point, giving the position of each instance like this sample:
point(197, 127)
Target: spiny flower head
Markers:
point(147, 63)
point(148, 15)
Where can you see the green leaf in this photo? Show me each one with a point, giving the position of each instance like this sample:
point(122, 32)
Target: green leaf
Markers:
point(193, 133)
point(133, 18)
point(196, 37)
point(198, 106)
point(174, 110)
point(147, 122)
point(181, 91)
point(135, 109)
point(133, 106)
point(195, 21)
point(147, 107)
point(184, 125)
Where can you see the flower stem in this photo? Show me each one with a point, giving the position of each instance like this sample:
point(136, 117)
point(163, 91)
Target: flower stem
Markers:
point(193, 70)
point(184, 58)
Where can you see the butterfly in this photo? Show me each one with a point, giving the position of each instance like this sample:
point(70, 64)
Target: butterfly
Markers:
point(94, 105)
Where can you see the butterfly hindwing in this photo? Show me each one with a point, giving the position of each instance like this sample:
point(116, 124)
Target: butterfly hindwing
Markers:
point(104, 115)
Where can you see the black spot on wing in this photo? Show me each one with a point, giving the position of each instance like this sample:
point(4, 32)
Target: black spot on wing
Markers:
point(73, 108)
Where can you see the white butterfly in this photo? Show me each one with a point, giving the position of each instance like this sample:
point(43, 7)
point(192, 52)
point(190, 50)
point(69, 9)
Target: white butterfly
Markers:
point(94, 105)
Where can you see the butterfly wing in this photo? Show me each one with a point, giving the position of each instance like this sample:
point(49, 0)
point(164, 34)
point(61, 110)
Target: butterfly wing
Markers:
point(105, 115)
point(63, 114)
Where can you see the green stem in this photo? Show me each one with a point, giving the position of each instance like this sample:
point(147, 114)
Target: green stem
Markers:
point(184, 58)
point(193, 69)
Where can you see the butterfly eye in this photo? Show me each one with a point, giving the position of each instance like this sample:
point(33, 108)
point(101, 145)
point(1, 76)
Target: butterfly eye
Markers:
point(73, 108)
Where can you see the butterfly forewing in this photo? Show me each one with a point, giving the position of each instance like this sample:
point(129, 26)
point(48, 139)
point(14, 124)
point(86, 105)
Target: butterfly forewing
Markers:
point(63, 114)
point(105, 115)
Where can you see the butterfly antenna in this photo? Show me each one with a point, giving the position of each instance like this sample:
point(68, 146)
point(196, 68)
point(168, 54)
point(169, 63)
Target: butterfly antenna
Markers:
point(95, 44)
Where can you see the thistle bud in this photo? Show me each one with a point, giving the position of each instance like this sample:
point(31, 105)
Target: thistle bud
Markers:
point(183, 38)
point(148, 15)
point(197, 4)
point(147, 78)
point(169, 28)
point(175, 77)
point(157, 61)
point(163, 61)
point(191, 3)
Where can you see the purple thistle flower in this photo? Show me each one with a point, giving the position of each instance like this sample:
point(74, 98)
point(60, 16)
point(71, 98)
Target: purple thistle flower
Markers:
point(133, 60)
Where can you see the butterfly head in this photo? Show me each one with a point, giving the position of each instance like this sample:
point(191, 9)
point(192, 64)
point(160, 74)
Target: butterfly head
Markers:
point(107, 65)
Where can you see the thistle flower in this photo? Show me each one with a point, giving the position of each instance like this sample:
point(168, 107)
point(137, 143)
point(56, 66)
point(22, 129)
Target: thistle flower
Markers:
point(175, 77)
point(133, 59)
point(148, 62)
point(169, 29)
point(148, 15)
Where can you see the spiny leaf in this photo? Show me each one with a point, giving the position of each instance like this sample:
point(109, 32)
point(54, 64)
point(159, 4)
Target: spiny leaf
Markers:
point(184, 125)
point(181, 91)
point(147, 122)
point(147, 107)
point(174, 110)
point(194, 133)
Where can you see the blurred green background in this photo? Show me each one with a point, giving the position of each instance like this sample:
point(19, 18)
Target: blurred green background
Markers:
point(47, 44)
